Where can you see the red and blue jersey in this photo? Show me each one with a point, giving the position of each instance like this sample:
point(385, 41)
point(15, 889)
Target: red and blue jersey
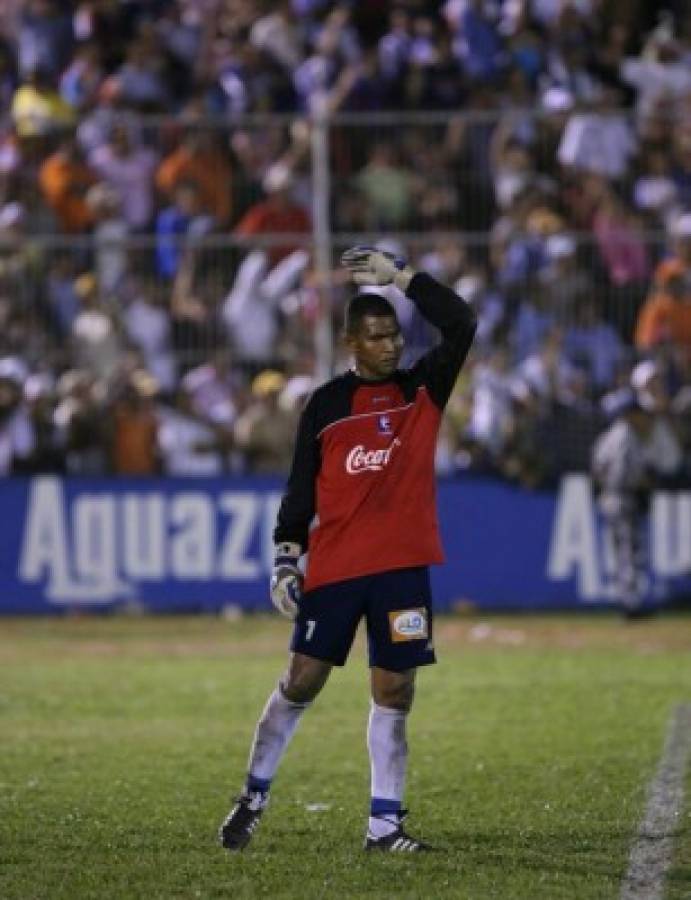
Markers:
point(360, 496)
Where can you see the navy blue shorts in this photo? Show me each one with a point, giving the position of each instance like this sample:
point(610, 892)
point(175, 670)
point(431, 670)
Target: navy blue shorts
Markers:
point(396, 605)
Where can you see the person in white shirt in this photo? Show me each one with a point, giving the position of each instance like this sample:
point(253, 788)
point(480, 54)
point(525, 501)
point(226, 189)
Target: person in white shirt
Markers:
point(187, 445)
point(598, 139)
point(129, 169)
point(17, 440)
point(625, 467)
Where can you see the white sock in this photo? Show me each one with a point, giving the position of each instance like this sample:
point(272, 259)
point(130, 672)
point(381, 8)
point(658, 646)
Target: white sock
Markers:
point(272, 735)
point(388, 753)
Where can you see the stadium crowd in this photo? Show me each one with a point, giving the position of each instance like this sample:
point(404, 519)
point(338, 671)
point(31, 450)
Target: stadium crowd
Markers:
point(158, 292)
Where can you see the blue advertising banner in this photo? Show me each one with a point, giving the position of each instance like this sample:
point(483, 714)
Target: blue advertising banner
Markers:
point(205, 544)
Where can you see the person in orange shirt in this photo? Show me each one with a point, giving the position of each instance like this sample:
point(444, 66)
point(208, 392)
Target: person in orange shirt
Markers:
point(200, 161)
point(64, 179)
point(134, 428)
point(666, 315)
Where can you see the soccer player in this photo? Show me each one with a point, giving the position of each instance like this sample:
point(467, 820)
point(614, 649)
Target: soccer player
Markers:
point(360, 499)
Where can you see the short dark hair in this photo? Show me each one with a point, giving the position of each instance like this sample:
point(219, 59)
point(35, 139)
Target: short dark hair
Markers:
point(362, 305)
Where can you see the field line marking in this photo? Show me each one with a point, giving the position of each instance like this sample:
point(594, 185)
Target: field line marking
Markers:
point(651, 853)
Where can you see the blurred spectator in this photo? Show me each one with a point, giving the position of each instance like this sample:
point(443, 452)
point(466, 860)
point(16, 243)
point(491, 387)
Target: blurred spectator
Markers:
point(594, 343)
point(620, 242)
point(194, 313)
point(184, 220)
point(251, 309)
point(563, 278)
point(666, 314)
point(37, 107)
point(624, 255)
point(214, 389)
point(278, 35)
point(96, 338)
point(20, 256)
point(147, 323)
point(140, 82)
point(275, 215)
point(524, 255)
point(263, 430)
point(82, 79)
point(624, 488)
point(491, 417)
point(197, 160)
point(388, 189)
point(548, 374)
point(63, 302)
point(187, 445)
point(40, 399)
point(17, 439)
point(659, 71)
point(664, 449)
point(134, 448)
point(65, 179)
point(599, 140)
point(394, 46)
point(80, 423)
point(8, 73)
point(129, 169)
point(110, 232)
point(45, 37)
point(655, 192)
point(478, 43)
point(533, 322)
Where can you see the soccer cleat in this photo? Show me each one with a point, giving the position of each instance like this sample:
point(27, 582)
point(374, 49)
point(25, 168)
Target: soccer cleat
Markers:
point(397, 841)
point(237, 829)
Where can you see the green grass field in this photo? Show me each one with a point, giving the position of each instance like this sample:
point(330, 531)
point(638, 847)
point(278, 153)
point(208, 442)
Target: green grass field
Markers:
point(532, 744)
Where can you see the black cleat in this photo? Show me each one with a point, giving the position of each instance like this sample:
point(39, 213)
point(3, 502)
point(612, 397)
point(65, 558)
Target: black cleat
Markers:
point(397, 842)
point(239, 826)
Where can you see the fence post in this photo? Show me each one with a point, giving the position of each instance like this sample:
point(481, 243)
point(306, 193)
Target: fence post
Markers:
point(321, 232)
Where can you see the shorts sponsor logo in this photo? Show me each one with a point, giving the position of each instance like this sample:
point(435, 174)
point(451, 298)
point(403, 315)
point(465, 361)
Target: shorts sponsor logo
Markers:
point(359, 459)
point(408, 624)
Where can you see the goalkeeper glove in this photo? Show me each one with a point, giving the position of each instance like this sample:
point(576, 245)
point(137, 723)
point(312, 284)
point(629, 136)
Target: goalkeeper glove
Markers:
point(286, 580)
point(367, 265)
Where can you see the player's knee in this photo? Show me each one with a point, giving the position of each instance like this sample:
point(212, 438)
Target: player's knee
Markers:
point(395, 695)
point(300, 689)
point(302, 683)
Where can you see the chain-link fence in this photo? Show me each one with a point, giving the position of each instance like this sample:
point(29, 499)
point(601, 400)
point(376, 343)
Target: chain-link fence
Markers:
point(194, 239)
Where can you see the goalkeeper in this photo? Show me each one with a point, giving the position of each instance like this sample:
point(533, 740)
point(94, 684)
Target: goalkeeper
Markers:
point(360, 499)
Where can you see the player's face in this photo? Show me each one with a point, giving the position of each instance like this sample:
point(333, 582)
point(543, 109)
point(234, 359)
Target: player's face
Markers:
point(377, 346)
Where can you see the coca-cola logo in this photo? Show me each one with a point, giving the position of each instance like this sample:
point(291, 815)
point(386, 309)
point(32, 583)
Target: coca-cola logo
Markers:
point(361, 460)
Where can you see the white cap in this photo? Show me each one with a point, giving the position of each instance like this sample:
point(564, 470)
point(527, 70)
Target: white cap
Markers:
point(296, 389)
point(681, 227)
point(14, 369)
point(557, 99)
point(278, 177)
point(11, 214)
point(38, 385)
point(642, 373)
point(559, 246)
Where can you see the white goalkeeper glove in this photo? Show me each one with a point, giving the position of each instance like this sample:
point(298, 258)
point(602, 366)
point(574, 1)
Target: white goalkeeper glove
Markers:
point(367, 265)
point(286, 580)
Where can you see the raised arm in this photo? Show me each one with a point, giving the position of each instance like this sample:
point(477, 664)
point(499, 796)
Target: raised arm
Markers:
point(438, 304)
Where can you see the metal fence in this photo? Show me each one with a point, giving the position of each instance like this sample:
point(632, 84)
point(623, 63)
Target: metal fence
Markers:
point(454, 192)
point(547, 252)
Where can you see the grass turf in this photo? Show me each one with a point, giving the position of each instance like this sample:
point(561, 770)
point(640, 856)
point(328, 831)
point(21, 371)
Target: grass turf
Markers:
point(122, 741)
